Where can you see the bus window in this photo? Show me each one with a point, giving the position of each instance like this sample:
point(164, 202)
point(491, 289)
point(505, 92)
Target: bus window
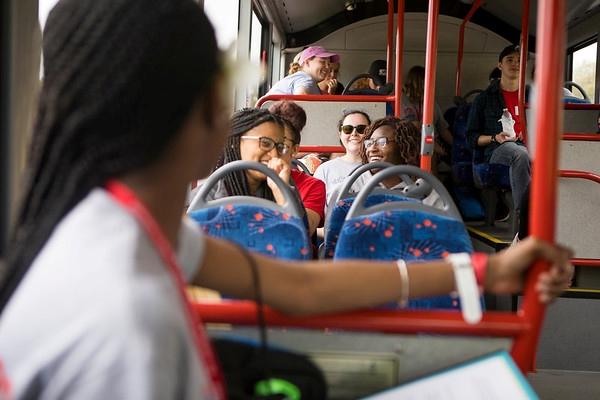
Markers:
point(583, 70)
point(221, 14)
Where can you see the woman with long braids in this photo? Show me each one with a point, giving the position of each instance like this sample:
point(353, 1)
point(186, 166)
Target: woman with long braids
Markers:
point(256, 135)
point(92, 301)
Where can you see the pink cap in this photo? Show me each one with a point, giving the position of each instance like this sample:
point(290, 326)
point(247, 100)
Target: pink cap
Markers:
point(317, 51)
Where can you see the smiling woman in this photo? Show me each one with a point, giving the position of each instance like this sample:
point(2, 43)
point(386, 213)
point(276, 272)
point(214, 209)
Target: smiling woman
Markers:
point(256, 135)
point(351, 128)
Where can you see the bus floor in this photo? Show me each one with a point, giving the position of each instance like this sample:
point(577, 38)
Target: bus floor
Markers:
point(551, 384)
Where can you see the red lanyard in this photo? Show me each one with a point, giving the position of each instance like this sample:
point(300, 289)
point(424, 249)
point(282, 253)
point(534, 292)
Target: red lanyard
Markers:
point(124, 196)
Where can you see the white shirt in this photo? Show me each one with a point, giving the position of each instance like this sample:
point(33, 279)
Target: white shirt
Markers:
point(98, 315)
point(292, 84)
point(334, 171)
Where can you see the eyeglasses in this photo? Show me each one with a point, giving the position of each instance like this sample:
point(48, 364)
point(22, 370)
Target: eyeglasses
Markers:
point(380, 142)
point(268, 144)
point(348, 129)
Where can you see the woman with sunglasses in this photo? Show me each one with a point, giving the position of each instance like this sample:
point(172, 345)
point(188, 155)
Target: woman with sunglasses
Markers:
point(351, 129)
point(392, 140)
point(256, 135)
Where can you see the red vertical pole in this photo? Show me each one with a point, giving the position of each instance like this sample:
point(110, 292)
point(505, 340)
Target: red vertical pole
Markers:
point(427, 136)
point(523, 67)
point(461, 44)
point(390, 41)
point(550, 48)
point(399, 57)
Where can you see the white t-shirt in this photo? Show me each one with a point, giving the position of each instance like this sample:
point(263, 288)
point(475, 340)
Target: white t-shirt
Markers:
point(98, 315)
point(334, 171)
point(291, 84)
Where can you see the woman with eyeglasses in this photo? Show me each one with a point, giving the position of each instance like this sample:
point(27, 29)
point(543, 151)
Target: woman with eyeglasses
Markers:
point(351, 128)
point(256, 135)
point(395, 141)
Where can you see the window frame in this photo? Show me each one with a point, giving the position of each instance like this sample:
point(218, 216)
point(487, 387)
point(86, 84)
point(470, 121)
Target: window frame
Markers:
point(569, 68)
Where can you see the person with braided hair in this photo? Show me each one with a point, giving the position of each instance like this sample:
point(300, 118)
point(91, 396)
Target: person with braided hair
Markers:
point(256, 135)
point(92, 302)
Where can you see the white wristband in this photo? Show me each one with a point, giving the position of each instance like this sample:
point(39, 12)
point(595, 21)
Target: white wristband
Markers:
point(466, 284)
point(403, 302)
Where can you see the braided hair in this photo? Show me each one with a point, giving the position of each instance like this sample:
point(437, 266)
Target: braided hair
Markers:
point(120, 77)
point(242, 121)
point(406, 135)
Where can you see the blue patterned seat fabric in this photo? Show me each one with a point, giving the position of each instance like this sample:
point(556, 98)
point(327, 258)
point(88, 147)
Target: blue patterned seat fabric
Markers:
point(489, 175)
point(259, 229)
point(340, 210)
point(406, 234)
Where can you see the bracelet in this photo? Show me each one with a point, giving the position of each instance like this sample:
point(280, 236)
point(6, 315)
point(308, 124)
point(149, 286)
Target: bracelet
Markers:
point(401, 264)
point(494, 138)
point(468, 292)
point(480, 266)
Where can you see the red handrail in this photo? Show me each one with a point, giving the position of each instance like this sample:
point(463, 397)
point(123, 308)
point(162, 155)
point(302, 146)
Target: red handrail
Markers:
point(399, 58)
point(427, 131)
point(548, 120)
point(523, 66)
point(567, 173)
point(461, 45)
point(323, 97)
point(583, 137)
point(586, 262)
point(321, 149)
point(494, 323)
point(390, 42)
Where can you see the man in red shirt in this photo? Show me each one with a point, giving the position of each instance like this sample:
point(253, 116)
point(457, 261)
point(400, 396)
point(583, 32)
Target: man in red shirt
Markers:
point(486, 129)
point(311, 190)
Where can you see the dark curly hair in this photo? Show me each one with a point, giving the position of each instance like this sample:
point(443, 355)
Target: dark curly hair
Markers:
point(120, 77)
point(406, 135)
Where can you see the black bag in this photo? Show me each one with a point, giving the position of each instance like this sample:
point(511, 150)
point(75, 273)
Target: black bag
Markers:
point(256, 371)
point(245, 367)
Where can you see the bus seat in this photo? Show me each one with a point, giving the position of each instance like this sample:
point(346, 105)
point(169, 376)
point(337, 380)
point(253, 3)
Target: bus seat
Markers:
point(407, 230)
point(343, 201)
point(257, 224)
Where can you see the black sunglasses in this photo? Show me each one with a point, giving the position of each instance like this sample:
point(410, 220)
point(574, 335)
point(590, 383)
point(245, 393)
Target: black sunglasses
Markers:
point(348, 129)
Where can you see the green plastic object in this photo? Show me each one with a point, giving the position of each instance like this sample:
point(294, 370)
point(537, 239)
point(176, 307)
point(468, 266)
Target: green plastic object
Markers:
point(277, 386)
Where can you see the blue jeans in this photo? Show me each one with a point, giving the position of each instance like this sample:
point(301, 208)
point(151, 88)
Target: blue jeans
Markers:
point(517, 159)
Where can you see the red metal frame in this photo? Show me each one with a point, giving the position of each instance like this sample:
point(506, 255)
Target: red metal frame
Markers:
point(323, 97)
point(321, 149)
point(430, 69)
point(549, 75)
point(523, 66)
point(590, 176)
point(586, 262)
point(582, 137)
point(390, 41)
point(461, 45)
point(494, 324)
point(399, 58)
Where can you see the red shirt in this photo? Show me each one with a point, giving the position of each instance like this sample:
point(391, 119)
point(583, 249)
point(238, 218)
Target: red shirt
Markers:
point(511, 99)
point(312, 193)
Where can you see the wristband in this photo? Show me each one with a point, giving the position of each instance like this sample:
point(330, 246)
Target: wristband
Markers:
point(494, 138)
point(403, 302)
point(480, 265)
point(466, 285)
